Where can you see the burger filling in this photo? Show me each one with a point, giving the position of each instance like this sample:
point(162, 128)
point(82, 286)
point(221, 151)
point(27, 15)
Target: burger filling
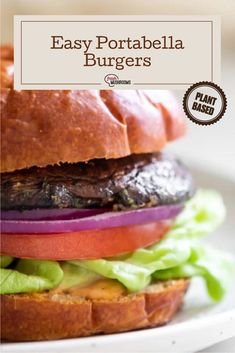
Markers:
point(121, 184)
point(129, 190)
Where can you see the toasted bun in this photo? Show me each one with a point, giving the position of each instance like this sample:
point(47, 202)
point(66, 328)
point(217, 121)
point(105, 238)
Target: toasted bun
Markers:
point(103, 308)
point(41, 128)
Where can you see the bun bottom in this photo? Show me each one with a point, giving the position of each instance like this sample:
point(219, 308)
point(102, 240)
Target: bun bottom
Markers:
point(66, 314)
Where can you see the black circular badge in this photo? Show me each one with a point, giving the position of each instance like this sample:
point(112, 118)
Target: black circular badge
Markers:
point(204, 103)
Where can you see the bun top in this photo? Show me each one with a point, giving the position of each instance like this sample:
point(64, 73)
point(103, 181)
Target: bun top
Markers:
point(41, 128)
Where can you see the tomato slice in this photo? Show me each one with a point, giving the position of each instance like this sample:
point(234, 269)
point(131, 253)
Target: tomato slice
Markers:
point(89, 244)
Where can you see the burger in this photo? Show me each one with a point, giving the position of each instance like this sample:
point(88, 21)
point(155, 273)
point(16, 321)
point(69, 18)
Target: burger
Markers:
point(100, 228)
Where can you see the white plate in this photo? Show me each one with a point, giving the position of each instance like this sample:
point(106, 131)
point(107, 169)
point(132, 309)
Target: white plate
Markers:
point(199, 324)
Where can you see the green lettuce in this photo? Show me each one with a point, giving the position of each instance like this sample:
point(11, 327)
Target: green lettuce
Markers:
point(203, 214)
point(75, 275)
point(30, 276)
point(135, 271)
point(180, 259)
point(215, 267)
point(5, 261)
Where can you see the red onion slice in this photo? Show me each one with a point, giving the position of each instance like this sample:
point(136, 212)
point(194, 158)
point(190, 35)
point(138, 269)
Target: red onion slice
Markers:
point(51, 214)
point(105, 220)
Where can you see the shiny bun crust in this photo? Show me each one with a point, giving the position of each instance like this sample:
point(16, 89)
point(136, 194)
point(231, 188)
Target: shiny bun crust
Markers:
point(41, 128)
point(52, 315)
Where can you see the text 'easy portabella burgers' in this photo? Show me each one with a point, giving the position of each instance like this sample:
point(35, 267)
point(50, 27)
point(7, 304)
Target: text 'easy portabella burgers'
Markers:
point(100, 229)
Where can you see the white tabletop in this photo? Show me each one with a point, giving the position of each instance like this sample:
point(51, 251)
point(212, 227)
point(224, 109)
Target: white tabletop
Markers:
point(223, 347)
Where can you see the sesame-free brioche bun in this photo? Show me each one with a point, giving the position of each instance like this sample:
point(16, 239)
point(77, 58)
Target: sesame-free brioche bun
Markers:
point(41, 128)
point(103, 307)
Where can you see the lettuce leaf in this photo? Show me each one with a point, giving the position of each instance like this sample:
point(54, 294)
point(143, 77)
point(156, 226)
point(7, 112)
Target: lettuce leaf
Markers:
point(5, 261)
point(135, 272)
point(74, 276)
point(203, 214)
point(215, 267)
point(30, 276)
point(131, 276)
point(180, 259)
